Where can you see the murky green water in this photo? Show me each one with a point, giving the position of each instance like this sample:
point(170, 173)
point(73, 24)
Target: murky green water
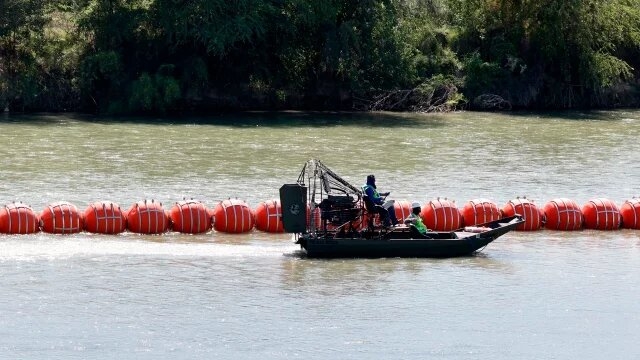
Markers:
point(546, 294)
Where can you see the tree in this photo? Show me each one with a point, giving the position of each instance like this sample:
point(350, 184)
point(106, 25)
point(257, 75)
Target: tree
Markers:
point(578, 44)
point(553, 53)
point(20, 22)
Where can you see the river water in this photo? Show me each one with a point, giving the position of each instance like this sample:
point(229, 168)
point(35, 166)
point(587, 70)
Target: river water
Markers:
point(540, 295)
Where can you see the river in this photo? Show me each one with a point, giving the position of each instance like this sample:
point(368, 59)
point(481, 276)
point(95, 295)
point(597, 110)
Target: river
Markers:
point(545, 294)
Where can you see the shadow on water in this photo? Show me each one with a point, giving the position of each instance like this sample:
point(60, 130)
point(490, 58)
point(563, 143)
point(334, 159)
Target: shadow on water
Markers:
point(44, 118)
point(251, 119)
point(338, 277)
point(571, 115)
point(319, 119)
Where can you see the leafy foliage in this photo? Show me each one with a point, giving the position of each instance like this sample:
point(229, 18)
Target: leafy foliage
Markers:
point(158, 92)
point(567, 50)
point(169, 56)
point(19, 24)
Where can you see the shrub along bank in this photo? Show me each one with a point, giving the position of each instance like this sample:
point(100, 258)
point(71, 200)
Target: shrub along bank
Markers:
point(167, 56)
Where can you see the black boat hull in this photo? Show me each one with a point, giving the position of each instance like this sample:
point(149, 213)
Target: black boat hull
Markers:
point(402, 242)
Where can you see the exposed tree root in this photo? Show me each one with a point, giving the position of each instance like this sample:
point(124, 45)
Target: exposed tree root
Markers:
point(424, 98)
point(491, 102)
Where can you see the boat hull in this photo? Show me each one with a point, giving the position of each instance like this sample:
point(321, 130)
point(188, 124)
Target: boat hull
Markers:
point(403, 243)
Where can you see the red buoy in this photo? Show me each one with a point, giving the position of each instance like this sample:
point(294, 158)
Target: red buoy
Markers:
point(104, 217)
point(441, 215)
point(630, 212)
point(480, 211)
point(18, 218)
point(233, 216)
point(562, 214)
point(529, 212)
point(61, 218)
point(269, 216)
point(601, 214)
point(190, 217)
point(147, 217)
point(402, 209)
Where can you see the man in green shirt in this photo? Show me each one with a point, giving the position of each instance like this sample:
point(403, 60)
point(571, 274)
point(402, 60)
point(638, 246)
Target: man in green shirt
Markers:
point(415, 219)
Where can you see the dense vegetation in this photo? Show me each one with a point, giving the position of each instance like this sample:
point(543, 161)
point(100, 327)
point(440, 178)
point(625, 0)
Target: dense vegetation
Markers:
point(177, 56)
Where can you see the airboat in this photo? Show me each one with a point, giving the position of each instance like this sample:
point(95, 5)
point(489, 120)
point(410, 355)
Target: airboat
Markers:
point(331, 218)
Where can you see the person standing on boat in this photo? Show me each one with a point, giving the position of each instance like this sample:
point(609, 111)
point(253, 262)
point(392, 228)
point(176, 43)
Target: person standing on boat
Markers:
point(415, 219)
point(387, 211)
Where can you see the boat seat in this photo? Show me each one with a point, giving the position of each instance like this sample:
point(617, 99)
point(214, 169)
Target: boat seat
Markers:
point(373, 210)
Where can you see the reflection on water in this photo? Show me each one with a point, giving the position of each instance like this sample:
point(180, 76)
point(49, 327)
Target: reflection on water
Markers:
point(545, 294)
point(338, 277)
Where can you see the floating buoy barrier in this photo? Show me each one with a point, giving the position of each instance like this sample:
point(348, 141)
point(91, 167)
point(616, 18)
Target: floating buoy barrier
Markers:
point(630, 212)
point(480, 211)
point(147, 217)
point(233, 216)
point(104, 217)
point(528, 210)
point(562, 214)
point(190, 217)
point(601, 214)
point(269, 216)
point(236, 216)
point(61, 218)
point(441, 215)
point(18, 218)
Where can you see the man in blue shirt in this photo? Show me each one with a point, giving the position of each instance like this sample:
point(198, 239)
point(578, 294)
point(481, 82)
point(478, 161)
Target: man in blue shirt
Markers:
point(387, 211)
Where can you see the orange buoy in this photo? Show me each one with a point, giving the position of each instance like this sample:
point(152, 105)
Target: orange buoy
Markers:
point(18, 218)
point(190, 217)
point(441, 215)
point(147, 217)
point(630, 212)
point(269, 216)
point(529, 211)
point(233, 216)
point(104, 217)
point(480, 211)
point(601, 214)
point(402, 209)
point(61, 218)
point(562, 214)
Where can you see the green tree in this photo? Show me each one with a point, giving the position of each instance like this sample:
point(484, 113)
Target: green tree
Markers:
point(116, 51)
point(578, 44)
point(21, 21)
point(350, 48)
point(552, 53)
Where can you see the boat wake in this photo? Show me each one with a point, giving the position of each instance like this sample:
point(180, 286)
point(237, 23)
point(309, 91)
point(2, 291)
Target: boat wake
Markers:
point(20, 248)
